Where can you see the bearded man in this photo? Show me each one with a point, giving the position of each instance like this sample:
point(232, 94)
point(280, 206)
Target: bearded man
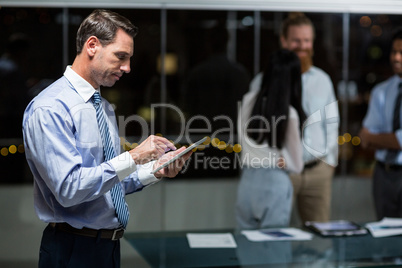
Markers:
point(312, 188)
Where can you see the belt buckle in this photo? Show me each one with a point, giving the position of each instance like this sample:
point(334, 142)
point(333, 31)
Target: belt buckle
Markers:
point(387, 167)
point(117, 235)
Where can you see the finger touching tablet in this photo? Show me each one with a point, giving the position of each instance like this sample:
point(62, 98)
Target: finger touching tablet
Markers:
point(179, 155)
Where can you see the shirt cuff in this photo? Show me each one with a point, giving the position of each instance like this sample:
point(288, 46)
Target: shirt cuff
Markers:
point(124, 165)
point(144, 174)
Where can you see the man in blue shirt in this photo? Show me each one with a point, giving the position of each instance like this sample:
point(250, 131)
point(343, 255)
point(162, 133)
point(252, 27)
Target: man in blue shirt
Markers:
point(382, 132)
point(73, 175)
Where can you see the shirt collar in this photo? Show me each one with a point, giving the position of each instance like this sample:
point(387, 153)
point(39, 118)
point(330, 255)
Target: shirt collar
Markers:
point(398, 79)
point(310, 70)
point(83, 88)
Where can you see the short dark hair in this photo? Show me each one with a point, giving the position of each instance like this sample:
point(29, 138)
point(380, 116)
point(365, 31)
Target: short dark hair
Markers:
point(295, 19)
point(397, 34)
point(103, 24)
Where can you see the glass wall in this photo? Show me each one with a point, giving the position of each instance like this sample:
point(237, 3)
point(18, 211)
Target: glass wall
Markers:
point(370, 45)
point(31, 51)
point(189, 70)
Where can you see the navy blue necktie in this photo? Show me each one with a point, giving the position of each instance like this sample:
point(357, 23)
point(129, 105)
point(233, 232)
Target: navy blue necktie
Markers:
point(116, 192)
point(396, 124)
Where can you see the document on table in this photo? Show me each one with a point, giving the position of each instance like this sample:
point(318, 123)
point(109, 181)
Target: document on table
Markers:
point(200, 240)
point(277, 234)
point(385, 227)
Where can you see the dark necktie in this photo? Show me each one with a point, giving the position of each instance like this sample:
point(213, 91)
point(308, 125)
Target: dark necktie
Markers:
point(396, 124)
point(116, 192)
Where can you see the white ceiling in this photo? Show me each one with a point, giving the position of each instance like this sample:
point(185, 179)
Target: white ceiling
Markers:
point(325, 6)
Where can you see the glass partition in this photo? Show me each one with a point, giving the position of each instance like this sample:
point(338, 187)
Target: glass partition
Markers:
point(209, 82)
point(45, 41)
point(31, 51)
point(176, 88)
point(370, 43)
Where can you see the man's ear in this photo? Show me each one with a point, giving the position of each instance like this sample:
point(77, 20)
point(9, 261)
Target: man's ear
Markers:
point(91, 45)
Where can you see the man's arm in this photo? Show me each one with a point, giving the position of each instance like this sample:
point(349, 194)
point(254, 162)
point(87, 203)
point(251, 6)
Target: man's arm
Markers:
point(378, 141)
point(374, 133)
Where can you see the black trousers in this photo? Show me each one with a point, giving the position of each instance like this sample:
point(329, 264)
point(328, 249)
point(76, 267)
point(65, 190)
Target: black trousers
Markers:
point(60, 249)
point(387, 191)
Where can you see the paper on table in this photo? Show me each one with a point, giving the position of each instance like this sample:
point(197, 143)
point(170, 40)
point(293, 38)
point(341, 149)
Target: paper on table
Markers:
point(276, 234)
point(199, 240)
point(385, 227)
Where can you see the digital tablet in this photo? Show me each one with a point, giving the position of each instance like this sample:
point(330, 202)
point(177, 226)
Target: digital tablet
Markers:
point(180, 155)
point(336, 228)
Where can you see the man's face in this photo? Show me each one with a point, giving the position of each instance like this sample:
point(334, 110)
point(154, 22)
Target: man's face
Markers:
point(300, 40)
point(113, 60)
point(396, 57)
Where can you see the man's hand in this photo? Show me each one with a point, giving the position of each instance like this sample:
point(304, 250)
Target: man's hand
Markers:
point(378, 140)
point(151, 149)
point(364, 135)
point(173, 168)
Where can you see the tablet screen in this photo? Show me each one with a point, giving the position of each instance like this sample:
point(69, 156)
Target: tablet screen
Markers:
point(336, 228)
point(180, 155)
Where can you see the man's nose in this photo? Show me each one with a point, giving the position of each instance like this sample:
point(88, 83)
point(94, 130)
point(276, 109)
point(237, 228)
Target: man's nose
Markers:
point(125, 67)
point(398, 56)
point(304, 45)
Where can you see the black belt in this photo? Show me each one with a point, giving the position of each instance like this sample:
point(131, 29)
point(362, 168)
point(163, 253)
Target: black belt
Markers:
point(311, 164)
point(104, 233)
point(390, 167)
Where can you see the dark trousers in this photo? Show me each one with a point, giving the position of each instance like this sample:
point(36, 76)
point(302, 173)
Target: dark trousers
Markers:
point(60, 249)
point(387, 191)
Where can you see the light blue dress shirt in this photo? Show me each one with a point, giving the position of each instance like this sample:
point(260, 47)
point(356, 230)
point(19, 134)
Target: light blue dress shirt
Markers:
point(380, 113)
point(64, 150)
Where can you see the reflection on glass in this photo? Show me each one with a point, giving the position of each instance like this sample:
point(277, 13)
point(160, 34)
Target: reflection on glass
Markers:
point(30, 56)
point(197, 46)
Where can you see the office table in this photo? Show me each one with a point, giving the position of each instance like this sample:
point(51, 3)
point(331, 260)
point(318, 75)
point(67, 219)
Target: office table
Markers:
point(171, 249)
